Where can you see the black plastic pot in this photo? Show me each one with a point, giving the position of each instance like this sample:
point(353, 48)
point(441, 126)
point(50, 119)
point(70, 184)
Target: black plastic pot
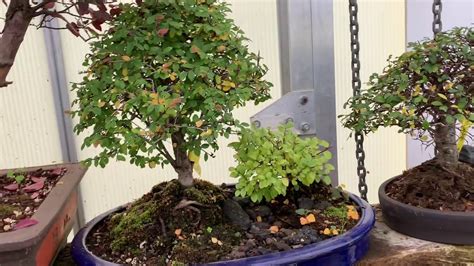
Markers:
point(345, 249)
point(438, 226)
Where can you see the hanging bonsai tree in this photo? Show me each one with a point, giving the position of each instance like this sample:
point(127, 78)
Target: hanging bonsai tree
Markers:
point(427, 92)
point(160, 88)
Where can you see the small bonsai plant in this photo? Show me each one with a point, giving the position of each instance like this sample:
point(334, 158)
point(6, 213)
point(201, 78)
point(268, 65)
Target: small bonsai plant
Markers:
point(269, 163)
point(426, 92)
point(166, 71)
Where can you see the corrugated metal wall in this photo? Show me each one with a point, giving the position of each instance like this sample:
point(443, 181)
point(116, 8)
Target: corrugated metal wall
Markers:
point(120, 182)
point(382, 32)
point(29, 131)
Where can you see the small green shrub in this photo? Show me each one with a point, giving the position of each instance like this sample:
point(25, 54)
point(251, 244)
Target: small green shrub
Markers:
point(271, 162)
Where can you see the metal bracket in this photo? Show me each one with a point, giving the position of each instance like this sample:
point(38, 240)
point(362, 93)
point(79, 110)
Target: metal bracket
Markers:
point(296, 107)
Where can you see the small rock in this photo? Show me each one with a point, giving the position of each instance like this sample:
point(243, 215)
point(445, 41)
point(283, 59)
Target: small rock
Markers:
point(297, 246)
point(250, 243)
point(242, 201)
point(237, 216)
point(270, 241)
point(467, 154)
point(262, 225)
point(27, 210)
point(263, 211)
point(305, 203)
point(281, 246)
point(8, 220)
point(128, 260)
point(305, 235)
point(286, 231)
point(251, 214)
point(7, 227)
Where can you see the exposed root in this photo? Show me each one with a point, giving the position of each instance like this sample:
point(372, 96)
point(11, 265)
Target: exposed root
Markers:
point(185, 203)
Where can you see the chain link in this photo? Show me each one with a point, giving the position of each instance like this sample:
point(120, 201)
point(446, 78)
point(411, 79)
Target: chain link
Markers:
point(356, 85)
point(437, 23)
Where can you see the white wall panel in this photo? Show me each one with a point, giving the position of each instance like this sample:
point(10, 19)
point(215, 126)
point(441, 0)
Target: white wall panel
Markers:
point(382, 32)
point(119, 183)
point(29, 133)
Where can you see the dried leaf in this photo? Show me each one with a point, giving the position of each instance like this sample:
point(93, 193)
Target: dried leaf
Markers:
point(199, 123)
point(37, 179)
point(259, 219)
point(274, 229)
point(327, 231)
point(162, 32)
point(352, 213)
point(25, 223)
point(125, 58)
point(178, 231)
point(214, 240)
point(11, 187)
point(195, 49)
point(82, 8)
point(311, 218)
point(303, 221)
point(34, 187)
point(174, 102)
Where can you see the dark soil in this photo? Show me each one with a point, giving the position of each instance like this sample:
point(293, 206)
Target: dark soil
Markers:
point(436, 186)
point(19, 200)
point(205, 223)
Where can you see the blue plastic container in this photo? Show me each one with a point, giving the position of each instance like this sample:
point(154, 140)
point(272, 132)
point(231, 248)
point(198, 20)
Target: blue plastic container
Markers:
point(345, 249)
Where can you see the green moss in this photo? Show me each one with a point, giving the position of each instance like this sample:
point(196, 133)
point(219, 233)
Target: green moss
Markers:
point(129, 223)
point(7, 210)
point(336, 212)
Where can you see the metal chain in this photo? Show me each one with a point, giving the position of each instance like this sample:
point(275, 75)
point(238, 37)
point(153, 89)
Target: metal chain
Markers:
point(437, 23)
point(356, 84)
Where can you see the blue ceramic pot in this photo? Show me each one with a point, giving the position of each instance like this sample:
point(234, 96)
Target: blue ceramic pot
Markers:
point(345, 249)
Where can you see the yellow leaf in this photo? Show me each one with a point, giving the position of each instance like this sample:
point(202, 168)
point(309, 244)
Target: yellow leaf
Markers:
point(228, 83)
point(214, 240)
point(432, 88)
point(327, 231)
point(206, 133)
point(152, 165)
point(101, 103)
point(311, 218)
point(335, 232)
point(442, 96)
point(352, 213)
point(417, 90)
point(465, 125)
point(224, 37)
point(199, 123)
point(125, 58)
point(125, 72)
point(226, 88)
point(195, 159)
point(424, 138)
point(117, 104)
point(172, 76)
point(274, 229)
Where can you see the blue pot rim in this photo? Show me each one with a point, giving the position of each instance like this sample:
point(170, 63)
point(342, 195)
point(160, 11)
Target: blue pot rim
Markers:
point(80, 252)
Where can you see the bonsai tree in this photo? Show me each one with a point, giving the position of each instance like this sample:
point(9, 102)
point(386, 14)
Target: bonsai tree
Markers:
point(82, 18)
point(162, 83)
point(426, 92)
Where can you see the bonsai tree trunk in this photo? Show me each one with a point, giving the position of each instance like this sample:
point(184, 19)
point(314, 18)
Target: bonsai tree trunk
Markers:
point(445, 141)
point(17, 20)
point(183, 166)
